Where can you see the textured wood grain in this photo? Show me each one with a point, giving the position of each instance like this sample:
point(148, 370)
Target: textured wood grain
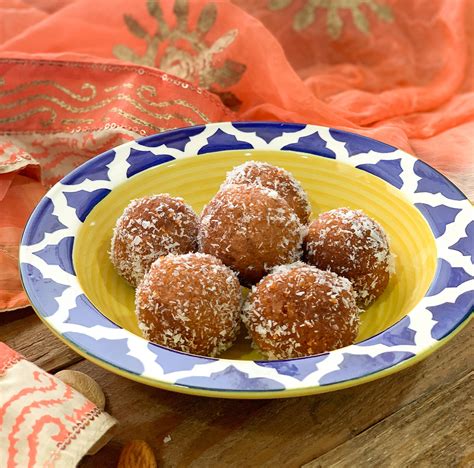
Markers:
point(284, 433)
point(436, 430)
point(23, 331)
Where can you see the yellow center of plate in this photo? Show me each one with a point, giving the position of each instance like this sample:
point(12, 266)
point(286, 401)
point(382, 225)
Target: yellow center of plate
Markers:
point(329, 184)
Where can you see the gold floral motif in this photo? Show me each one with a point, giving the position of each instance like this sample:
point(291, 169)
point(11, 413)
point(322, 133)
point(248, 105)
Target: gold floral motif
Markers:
point(195, 61)
point(307, 14)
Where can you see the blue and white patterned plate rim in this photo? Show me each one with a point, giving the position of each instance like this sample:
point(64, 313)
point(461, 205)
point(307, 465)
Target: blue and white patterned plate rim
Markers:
point(50, 281)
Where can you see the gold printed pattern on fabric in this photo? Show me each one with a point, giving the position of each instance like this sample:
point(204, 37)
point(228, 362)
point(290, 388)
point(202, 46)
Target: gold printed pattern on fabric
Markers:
point(76, 121)
point(97, 105)
point(137, 120)
point(110, 89)
point(307, 14)
point(29, 113)
point(35, 83)
point(185, 53)
point(139, 99)
point(181, 102)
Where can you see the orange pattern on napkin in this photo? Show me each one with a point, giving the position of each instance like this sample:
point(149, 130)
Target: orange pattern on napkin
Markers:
point(397, 70)
point(43, 421)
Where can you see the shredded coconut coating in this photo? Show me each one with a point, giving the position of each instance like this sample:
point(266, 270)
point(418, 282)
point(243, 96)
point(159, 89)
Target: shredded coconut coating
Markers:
point(190, 303)
point(298, 310)
point(275, 178)
point(251, 229)
point(352, 245)
point(149, 228)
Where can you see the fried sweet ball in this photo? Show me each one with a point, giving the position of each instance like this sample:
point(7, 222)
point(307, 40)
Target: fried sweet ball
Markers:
point(299, 310)
point(352, 245)
point(251, 229)
point(149, 228)
point(276, 178)
point(190, 303)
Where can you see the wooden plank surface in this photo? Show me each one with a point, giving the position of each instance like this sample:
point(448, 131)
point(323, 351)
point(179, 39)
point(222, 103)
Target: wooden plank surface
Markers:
point(436, 430)
point(23, 331)
point(283, 433)
point(216, 432)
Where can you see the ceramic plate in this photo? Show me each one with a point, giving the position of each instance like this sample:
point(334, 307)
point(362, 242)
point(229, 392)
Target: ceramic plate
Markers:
point(74, 289)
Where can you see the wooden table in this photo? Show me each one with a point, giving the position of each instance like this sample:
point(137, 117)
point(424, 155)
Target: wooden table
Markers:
point(422, 416)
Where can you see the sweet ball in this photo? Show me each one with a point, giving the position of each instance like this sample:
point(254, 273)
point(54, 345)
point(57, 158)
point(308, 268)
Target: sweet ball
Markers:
point(299, 310)
point(190, 303)
point(275, 178)
point(351, 244)
point(251, 229)
point(148, 228)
